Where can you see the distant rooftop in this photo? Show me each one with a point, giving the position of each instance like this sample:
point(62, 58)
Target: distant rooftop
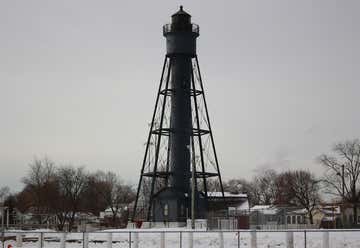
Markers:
point(226, 194)
point(265, 209)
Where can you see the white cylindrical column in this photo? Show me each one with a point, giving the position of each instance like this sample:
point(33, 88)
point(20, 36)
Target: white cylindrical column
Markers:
point(40, 240)
point(162, 240)
point(109, 240)
point(289, 240)
point(136, 240)
point(63, 240)
point(18, 240)
point(325, 242)
point(221, 240)
point(86, 240)
point(7, 217)
point(191, 239)
point(253, 239)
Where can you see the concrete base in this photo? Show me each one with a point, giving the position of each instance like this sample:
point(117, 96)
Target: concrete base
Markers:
point(166, 224)
point(199, 224)
point(146, 225)
point(131, 225)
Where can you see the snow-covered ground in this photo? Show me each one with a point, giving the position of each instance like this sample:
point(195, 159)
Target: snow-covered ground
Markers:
point(151, 238)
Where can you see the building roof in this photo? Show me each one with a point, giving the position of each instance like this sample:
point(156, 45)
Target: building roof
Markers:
point(265, 209)
point(226, 194)
point(242, 206)
point(330, 210)
point(299, 211)
point(328, 218)
point(261, 207)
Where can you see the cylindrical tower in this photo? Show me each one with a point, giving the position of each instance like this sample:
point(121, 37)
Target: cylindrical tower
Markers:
point(181, 47)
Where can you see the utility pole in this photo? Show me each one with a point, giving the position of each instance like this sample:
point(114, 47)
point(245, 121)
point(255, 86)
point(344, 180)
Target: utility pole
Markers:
point(193, 198)
point(343, 189)
point(343, 179)
point(7, 217)
point(342, 175)
point(193, 185)
point(2, 218)
point(4, 214)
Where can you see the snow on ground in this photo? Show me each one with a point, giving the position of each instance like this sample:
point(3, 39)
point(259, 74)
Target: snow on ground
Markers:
point(151, 238)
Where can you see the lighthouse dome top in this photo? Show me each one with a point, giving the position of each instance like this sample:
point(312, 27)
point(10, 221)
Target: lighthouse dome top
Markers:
point(181, 18)
point(181, 22)
point(181, 12)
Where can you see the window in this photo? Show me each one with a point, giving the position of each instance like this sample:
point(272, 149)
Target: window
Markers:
point(166, 209)
point(288, 219)
point(358, 219)
point(298, 219)
point(293, 219)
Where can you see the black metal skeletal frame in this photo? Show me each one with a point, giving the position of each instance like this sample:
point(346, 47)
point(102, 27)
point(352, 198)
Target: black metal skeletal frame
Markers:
point(158, 131)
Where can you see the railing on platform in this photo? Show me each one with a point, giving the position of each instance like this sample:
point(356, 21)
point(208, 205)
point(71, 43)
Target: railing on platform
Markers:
point(167, 28)
point(136, 238)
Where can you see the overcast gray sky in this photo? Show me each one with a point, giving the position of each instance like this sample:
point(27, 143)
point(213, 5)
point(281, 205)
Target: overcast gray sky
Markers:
point(78, 80)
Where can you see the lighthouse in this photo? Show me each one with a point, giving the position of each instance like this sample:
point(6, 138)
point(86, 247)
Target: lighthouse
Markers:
point(180, 160)
point(180, 47)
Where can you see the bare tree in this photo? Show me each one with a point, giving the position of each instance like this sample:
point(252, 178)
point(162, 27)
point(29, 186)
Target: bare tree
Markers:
point(4, 193)
point(93, 200)
point(283, 195)
point(72, 183)
point(212, 185)
point(62, 209)
point(301, 188)
point(65, 190)
point(40, 175)
point(114, 192)
point(343, 171)
point(24, 199)
point(237, 186)
point(242, 186)
point(264, 190)
point(260, 190)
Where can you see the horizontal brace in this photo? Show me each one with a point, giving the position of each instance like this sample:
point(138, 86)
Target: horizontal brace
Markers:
point(167, 92)
point(162, 131)
point(198, 131)
point(170, 92)
point(161, 174)
point(200, 174)
point(167, 131)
